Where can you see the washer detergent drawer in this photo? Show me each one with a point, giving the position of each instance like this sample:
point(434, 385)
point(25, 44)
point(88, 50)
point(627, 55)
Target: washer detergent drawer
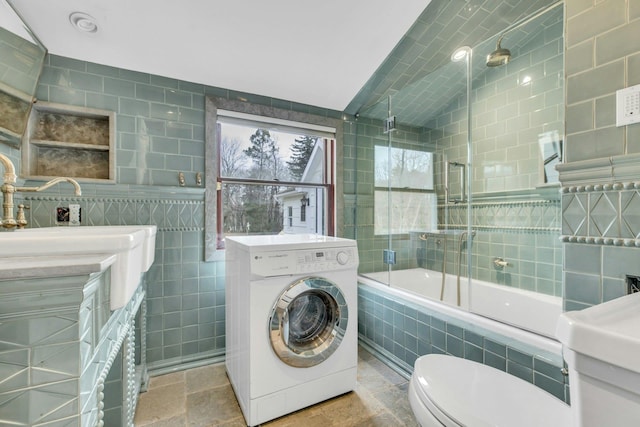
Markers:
point(272, 264)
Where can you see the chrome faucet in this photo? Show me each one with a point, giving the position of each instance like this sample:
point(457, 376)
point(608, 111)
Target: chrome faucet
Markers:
point(9, 187)
point(500, 263)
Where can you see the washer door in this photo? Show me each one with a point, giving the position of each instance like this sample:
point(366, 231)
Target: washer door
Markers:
point(308, 322)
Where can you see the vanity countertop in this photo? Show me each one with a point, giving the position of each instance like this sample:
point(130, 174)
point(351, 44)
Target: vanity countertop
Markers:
point(49, 266)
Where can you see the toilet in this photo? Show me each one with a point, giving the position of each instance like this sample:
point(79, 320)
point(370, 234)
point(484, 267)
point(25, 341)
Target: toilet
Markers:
point(450, 391)
point(600, 346)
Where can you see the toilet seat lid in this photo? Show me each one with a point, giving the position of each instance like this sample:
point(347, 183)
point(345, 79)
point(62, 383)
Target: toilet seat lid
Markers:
point(471, 394)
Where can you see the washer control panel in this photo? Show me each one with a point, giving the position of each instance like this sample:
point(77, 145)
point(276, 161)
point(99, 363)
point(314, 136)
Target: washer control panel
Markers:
point(323, 260)
point(305, 261)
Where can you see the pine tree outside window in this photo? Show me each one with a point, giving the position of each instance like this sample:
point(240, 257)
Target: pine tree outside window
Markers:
point(265, 167)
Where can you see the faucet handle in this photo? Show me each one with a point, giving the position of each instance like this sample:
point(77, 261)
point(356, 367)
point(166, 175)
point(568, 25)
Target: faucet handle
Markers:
point(21, 220)
point(500, 263)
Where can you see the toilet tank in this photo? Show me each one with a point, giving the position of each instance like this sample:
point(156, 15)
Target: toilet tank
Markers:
point(601, 346)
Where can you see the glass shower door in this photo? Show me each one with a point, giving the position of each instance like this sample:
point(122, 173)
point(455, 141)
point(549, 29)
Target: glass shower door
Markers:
point(409, 138)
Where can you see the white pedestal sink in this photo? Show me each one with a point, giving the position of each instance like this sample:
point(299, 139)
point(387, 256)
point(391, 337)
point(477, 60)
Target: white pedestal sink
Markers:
point(133, 246)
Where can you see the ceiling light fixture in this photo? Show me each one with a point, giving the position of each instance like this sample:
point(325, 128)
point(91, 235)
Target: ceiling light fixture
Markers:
point(83, 22)
point(460, 53)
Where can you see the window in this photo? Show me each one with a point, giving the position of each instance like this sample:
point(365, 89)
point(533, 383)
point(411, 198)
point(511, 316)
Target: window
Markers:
point(265, 167)
point(404, 195)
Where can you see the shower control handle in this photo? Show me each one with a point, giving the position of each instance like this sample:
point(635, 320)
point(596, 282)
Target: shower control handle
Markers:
point(500, 263)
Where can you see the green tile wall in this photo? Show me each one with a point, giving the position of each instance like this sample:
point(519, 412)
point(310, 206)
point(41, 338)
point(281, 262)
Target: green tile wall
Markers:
point(20, 62)
point(602, 57)
point(599, 221)
point(160, 132)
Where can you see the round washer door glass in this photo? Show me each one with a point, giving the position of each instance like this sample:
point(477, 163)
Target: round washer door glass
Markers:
point(308, 322)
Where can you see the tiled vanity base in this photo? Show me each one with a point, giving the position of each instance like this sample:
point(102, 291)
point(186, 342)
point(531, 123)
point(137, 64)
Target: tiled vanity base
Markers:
point(58, 342)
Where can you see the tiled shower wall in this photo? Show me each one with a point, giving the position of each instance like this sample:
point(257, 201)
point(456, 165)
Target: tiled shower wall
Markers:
point(160, 132)
point(600, 225)
point(523, 229)
point(509, 113)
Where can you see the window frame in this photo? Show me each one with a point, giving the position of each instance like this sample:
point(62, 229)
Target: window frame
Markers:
point(213, 238)
point(303, 212)
point(390, 190)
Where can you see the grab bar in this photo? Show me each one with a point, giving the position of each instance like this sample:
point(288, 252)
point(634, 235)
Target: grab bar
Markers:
point(447, 190)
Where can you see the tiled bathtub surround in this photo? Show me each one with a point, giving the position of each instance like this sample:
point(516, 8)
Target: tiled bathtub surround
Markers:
point(402, 331)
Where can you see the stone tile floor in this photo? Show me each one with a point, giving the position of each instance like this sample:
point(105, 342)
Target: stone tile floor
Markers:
point(203, 397)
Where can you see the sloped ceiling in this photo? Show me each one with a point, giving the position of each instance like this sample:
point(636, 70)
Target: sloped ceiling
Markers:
point(444, 26)
point(418, 103)
point(345, 56)
point(318, 53)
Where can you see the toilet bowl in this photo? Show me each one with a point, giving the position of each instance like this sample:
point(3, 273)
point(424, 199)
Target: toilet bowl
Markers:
point(450, 391)
point(600, 345)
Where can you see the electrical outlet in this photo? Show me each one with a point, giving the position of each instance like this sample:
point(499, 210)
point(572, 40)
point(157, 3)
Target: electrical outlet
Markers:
point(74, 215)
point(62, 215)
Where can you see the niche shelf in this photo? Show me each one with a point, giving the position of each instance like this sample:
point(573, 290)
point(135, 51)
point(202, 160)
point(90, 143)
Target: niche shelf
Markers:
point(63, 140)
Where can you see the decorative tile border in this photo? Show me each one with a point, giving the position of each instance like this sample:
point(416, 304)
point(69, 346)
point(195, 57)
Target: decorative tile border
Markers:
point(540, 215)
point(167, 214)
point(602, 214)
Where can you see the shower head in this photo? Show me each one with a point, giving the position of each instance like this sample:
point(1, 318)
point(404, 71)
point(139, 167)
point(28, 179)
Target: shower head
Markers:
point(500, 56)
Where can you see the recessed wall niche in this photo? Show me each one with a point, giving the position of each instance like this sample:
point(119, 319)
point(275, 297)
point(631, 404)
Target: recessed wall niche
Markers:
point(63, 140)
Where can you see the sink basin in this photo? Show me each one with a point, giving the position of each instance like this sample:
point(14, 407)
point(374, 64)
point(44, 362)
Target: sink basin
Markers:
point(133, 245)
point(608, 332)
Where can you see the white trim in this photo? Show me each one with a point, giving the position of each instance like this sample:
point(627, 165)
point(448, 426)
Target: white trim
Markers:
point(278, 122)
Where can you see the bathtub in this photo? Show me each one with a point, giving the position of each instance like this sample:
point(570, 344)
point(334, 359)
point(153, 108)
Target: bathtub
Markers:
point(523, 316)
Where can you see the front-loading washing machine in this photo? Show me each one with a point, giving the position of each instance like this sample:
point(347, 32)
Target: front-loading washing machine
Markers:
point(291, 321)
